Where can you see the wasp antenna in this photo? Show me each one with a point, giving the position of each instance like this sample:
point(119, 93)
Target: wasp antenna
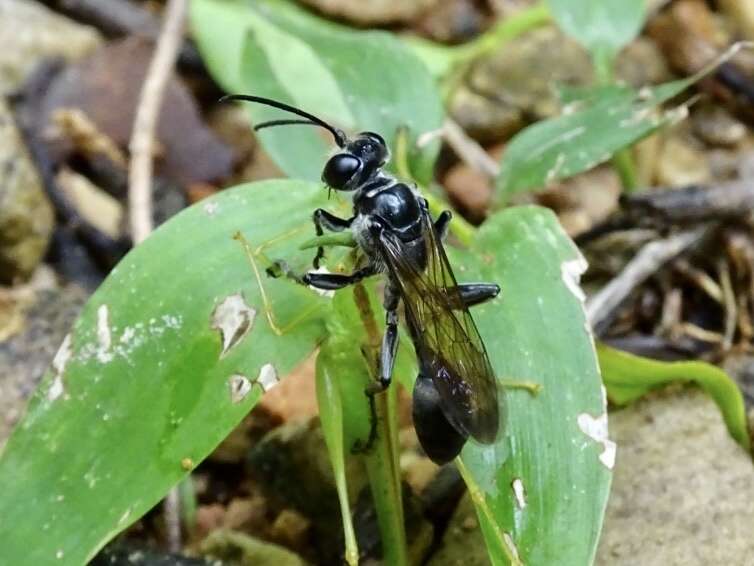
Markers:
point(340, 137)
point(273, 123)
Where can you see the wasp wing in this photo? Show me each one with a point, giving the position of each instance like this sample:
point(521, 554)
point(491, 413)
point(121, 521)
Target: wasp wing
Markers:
point(447, 342)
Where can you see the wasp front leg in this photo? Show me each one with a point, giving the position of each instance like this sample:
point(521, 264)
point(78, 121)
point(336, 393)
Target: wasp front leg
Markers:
point(324, 220)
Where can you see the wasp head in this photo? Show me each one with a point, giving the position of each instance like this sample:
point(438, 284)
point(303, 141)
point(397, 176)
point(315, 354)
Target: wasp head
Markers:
point(359, 160)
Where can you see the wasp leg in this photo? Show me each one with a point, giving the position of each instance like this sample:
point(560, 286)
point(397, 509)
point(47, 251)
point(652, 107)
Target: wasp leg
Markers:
point(333, 281)
point(442, 224)
point(324, 220)
point(476, 293)
point(389, 348)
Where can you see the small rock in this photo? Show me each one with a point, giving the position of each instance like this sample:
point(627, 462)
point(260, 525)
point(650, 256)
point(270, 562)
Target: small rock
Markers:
point(24, 357)
point(716, 126)
point(680, 164)
point(243, 550)
point(374, 12)
point(26, 216)
point(584, 200)
point(689, 34)
point(291, 466)
point(741, 14)
point(642, 63)
point(111, 78)
point(453, 21)
point(516, 81)
point(31, 33)
point(291, 529)
point(469, 190)
point(681, 486)
point(208, 519)
point(246, 514)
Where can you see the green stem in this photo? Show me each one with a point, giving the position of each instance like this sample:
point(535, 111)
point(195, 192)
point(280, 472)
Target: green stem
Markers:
point(487, 517)
point(382, 461)
point(623, 161)
point(501, 33)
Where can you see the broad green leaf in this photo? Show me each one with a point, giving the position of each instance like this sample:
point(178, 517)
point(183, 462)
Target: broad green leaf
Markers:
point(541, 490)
point(628, 377)
point(602, 26)
point(597, 124)
point(358, 80)
point(146, 385)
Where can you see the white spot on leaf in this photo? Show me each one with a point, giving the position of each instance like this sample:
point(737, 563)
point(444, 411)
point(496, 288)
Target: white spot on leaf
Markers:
point(519, 492)
point(596, 429)
point(56, 388)
point(211, 208)
point(233, 318)
point(125, 516)
point(508, 539)
point(104, 338)
point(59, 362)
point(62, 356)
point(571, 271)
point(268, 377)
point(239, 387)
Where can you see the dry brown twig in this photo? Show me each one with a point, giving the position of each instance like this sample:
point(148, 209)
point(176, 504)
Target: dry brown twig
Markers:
point(142, 147)
point(469, 150)
point(648, 260)
point(142, 144)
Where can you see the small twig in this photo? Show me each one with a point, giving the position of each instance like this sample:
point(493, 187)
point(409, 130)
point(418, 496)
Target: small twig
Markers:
point(469, 150)
point(671, 313)
point(142, 147)
point(701, 279)
point(142, 139)
point(730, 304)
point(73, 124)
point(650, 258)
point(699, 333)
point(173, 520)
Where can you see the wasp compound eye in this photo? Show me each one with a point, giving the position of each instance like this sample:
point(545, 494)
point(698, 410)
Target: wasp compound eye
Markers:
point(340, 170)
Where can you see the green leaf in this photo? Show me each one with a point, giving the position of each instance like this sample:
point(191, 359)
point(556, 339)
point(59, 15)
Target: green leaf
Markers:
point(146, 386)
point(595, 124)
point(541, 491)
point(358, 80)
point(602, 26)
point(628, 377)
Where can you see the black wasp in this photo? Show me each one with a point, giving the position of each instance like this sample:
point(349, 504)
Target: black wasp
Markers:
point(455, 394)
